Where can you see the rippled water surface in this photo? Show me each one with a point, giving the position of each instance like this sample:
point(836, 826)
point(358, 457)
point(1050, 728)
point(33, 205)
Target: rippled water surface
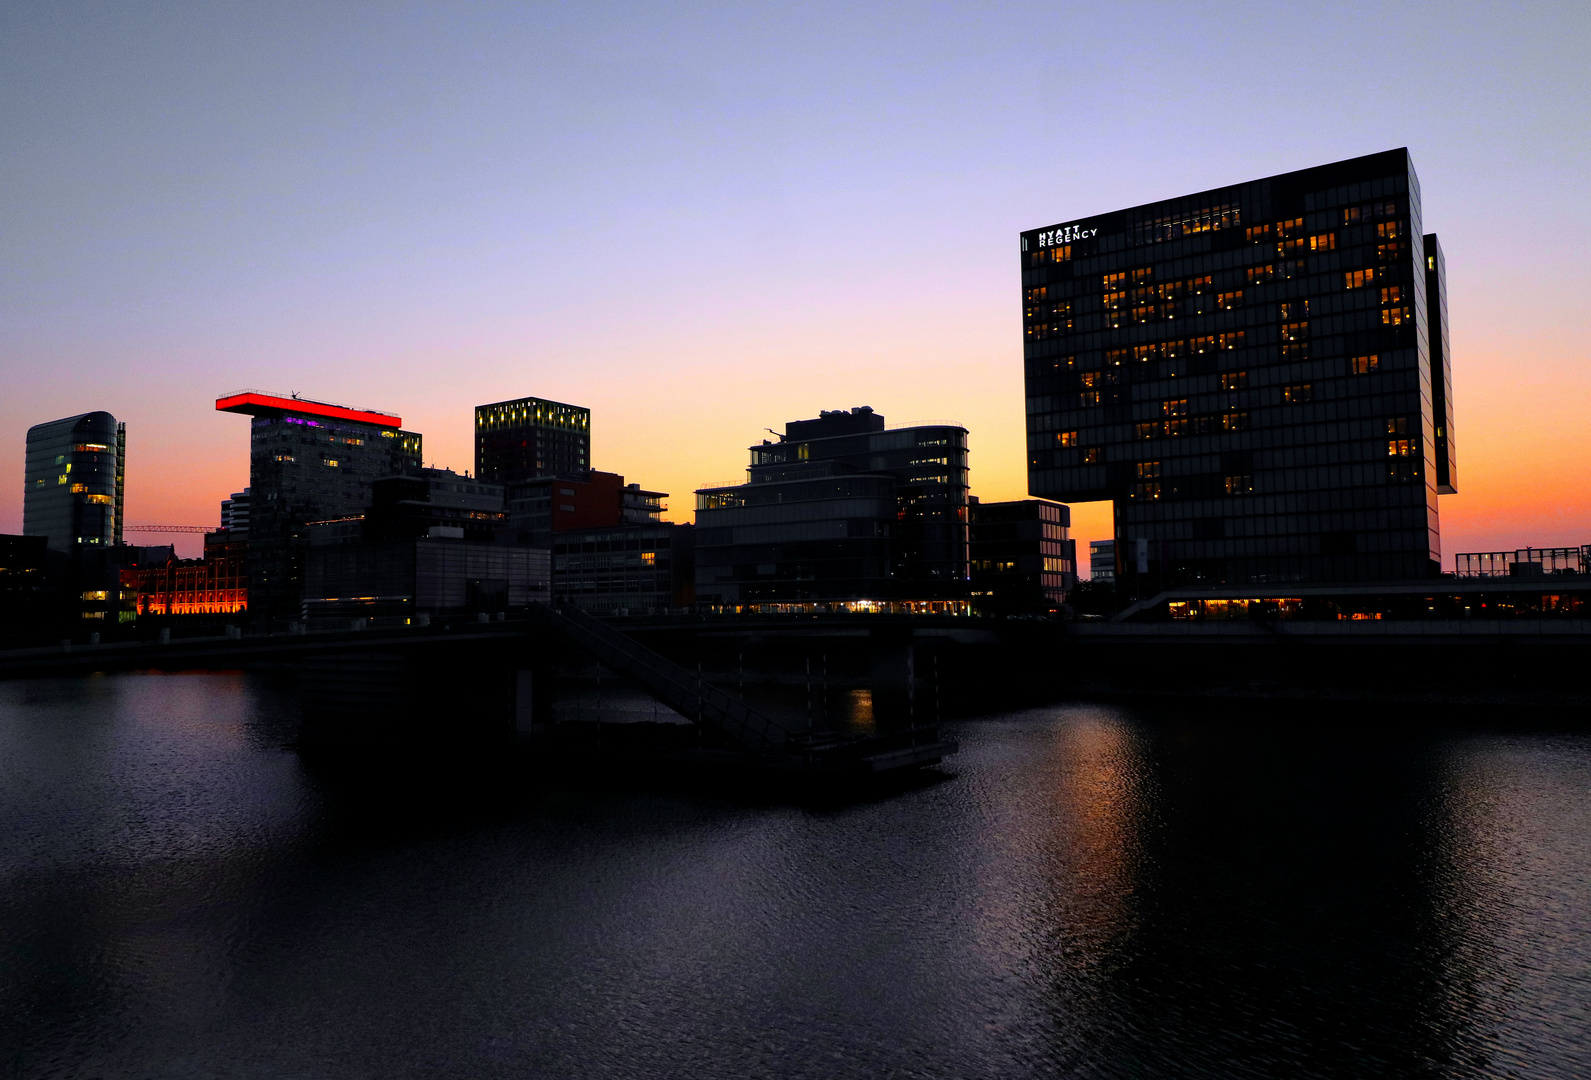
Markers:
point(1096, 891)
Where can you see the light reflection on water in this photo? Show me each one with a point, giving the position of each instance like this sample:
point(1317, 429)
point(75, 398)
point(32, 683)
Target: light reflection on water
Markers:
point(1097, 891)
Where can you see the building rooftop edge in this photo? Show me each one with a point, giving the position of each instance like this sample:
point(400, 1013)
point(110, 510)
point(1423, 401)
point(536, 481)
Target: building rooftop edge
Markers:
point(258, 403)
point(1404, 150)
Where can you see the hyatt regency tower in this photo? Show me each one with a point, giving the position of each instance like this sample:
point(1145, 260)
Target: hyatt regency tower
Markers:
point(1255, 376)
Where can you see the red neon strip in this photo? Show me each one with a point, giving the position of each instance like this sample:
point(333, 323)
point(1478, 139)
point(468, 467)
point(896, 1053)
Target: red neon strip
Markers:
point(255, 404)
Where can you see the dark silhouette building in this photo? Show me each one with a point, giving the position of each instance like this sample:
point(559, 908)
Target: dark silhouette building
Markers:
point(625, 569)
point(1023, 561)
point(1256, 376)
point(308, 461)
point(840, 512)
point(541, 507)
point(528, 437)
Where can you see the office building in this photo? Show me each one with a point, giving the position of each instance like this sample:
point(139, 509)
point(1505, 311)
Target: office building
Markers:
point(625, 569)
point(1257, 378)
point(399, 581)
point(75, 478)
point(308, 461)
point(235, 512)
point(418, 502)
point(539, 508)
point(1023, 562)
point(526, 438)
point(840, 513)
point(1102, 561)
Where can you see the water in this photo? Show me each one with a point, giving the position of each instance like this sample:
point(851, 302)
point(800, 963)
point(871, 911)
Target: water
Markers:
point(1097, 892)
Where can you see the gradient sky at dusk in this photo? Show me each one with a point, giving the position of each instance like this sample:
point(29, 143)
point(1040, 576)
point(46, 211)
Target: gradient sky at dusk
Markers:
point(702, 221)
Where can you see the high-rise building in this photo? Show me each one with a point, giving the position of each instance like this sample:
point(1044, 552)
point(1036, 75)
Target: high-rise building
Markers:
point(1256, 377)
point(308, 461)
point(527, 438)
point(842, 512)
point(76, 482)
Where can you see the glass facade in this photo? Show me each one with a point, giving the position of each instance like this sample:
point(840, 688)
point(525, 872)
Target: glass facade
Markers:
point(840, 509)
point(528, 438)
point(75, 478)
point(625, 569)
point(1256, 377)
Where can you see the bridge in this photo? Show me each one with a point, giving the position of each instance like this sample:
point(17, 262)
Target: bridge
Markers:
point(487, 683)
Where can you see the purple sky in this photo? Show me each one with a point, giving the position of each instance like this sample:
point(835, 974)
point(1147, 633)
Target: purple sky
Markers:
point(703, 221)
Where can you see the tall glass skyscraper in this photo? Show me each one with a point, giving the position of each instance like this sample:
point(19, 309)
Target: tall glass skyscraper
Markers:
point(1256, 377)
point(76, 482)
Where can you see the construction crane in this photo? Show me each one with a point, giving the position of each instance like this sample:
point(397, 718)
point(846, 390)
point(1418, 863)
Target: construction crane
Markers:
point(171, 528)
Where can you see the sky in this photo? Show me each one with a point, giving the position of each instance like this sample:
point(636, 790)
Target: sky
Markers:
point(702, 221)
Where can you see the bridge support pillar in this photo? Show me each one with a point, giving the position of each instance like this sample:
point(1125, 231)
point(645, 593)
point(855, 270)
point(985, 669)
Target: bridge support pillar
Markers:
point(894, 677)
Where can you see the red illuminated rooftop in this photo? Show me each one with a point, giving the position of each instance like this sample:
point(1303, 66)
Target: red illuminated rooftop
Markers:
point(255, 403)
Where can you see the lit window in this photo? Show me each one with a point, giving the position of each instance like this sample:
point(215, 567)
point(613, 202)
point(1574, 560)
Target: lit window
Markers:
point(1239, 485)
point(1397, 425)
point(1364, 365)
point(1066, 438)
point(1392, 294)
point(1234, 421)
point(100, 500)
point(1297, 394)
point(1232, 340)
point(1228, 300)
point(1358, 279)
point(1398, 448)
point(1115, 281)
point(1093, 455)
point(331, 463)
point(1174, 407)
point(1323, 242)
point(78, 489)
point(1389, 230)
point(1395, 316)
point(1260, 273)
